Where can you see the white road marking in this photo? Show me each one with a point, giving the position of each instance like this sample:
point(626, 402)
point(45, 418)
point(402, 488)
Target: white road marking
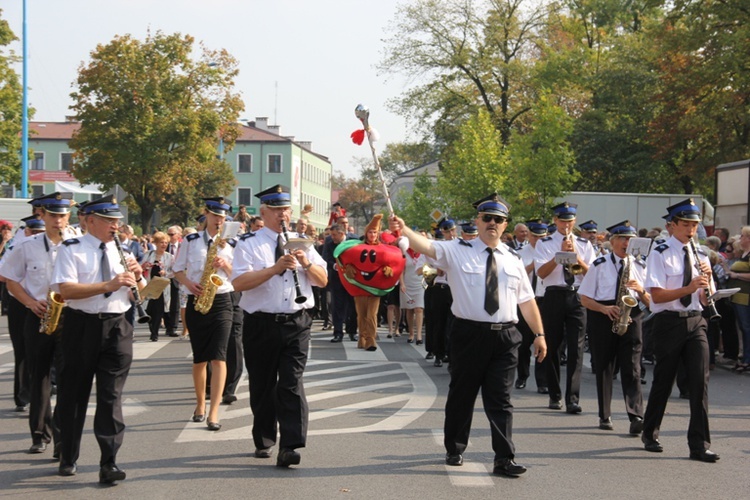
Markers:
point(7, 367)
point(144, 350)
point(471, 474)
point(5, 347)
point(130, 407)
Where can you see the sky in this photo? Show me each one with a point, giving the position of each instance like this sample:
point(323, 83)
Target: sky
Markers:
point(304, 64)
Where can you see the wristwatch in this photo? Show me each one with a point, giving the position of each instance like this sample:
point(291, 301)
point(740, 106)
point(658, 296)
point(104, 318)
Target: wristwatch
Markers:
point(308, 266)
point(537, 335)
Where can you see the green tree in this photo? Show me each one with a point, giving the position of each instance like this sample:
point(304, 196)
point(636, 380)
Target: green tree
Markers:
point(10, 110)
point(151, 120)
point(425, 197)
point(476, 165)
point(398, 157)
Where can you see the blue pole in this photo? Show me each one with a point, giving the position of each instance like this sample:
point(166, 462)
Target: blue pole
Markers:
point(25, 118)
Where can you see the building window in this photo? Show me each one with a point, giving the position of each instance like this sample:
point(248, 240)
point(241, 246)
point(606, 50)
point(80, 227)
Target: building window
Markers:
point(245, 197)
point(66, 161)
point(37, 191)
point(244, 163)
point(38, 162)
point(274, 164)
point(8, 191)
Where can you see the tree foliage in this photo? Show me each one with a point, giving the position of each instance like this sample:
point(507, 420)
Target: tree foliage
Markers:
point(151, 120)
point(10, 110)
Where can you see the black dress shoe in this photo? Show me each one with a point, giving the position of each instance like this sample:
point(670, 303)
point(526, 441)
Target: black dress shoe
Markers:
point(372, 348)
point(336, 339)
point(67, 470)
point(154, 338)
point(22, 408)
point(429, 356)
point(353, 337)
point(228, 399)
point(172, 334)
point(555, 404)
point(213, 426)
point(110, 473)
point(287, 457)
point(38, 447)
point(507, 467)
point(521, 383)
point(454, 459)
point(198, 418)
point(704, 456)
point(573, 408)
point(263, 452)
point(419, 342)
point(652, 445)
point(605, 424)
point(438, 362)
point(542, 390)
point(636, 426)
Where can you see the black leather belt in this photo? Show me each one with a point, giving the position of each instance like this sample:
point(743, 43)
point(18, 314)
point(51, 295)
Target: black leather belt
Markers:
point(490, 326)
point(279, 318)
point(96, 315)
point(682, 314)
point(562, 288)
point(441, 285)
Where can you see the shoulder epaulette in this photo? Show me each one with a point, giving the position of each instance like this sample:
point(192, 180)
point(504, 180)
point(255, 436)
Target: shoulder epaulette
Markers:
point(600, 260)
point(659, 241)
point(71, 241)
point(246, 236)
point(702, 252)
point(463, 242)
point(582, 239)
point(641, 261)
point(513, 252)
point(547, 238)
point(192, 236)
point(232, 242)
point(661, 247)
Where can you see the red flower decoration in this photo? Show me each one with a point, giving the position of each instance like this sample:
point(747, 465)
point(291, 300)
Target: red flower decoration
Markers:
point(358, 137)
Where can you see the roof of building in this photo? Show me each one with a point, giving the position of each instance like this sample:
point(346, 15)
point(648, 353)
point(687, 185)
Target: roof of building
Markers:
point(53, 130)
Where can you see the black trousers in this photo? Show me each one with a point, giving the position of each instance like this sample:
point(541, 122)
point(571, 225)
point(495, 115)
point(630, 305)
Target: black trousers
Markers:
point(275, 357)
point(608, 350)
point(524, 352)
point(679, 340)
point(172, 318)
point(17, 313)
point(484, 359)
point(155, 309)
point(564, 318)
point(342, 307)
point(93, 346)
point(428, 323)
point(441, 319)
point(234, 347)
point(42, 353)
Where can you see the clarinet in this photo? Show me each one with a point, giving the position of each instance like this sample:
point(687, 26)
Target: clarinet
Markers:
point(710, 304)
point(142, 316)
point(297, 290)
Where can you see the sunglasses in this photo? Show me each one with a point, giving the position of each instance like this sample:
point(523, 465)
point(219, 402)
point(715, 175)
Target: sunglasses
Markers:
point(499, 219)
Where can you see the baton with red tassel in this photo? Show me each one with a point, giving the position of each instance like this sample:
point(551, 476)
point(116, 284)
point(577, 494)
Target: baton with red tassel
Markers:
point(363, 113)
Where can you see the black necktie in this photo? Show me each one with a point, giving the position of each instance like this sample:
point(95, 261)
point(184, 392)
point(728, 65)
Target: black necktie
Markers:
point(104, 264)
point(533, 280)
point(280, 250)
point(619, 279)
point(491, 297)
point(687, 277)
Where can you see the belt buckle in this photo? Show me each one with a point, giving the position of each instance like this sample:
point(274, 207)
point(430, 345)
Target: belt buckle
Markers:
point(280, 318)
point(496, 326)
point(684, 314)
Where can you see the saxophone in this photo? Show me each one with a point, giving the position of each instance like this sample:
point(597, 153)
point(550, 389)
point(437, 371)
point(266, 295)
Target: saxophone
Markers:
point(210, 281)
point(626, 302)
point(51, 317)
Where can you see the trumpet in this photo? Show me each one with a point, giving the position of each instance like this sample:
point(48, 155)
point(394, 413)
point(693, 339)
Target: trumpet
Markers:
point(574, 269)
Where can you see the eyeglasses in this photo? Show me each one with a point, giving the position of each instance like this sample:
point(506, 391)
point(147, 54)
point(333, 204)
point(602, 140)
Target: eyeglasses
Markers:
point(499, 219)
point(171, 234)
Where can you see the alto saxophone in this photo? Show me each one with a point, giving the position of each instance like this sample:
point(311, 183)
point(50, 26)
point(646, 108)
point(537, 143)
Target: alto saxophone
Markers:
point(210, 281)
point(626, 301)
point(51, 317)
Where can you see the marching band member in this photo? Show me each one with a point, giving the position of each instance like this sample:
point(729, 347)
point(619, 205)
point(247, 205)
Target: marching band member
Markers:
point(96, 338)
point(600, 293)
point(211, 327)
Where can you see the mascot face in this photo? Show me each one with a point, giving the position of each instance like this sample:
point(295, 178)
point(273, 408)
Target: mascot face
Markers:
point(369, 269)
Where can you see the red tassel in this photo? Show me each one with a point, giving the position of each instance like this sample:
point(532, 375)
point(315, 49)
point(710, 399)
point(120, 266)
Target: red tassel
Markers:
point(358, 137)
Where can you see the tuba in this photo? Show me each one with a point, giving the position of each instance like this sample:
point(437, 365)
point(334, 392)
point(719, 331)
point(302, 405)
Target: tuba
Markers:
point(210, 281)
point(51, 317)
point(626, 301)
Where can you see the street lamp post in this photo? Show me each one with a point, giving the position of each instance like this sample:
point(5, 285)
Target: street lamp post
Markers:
point(25, 114)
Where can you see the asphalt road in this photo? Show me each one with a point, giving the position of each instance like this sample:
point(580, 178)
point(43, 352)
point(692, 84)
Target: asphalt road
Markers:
point(376, 433)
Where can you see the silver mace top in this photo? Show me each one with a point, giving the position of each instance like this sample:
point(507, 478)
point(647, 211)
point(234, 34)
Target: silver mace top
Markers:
point(363, 113)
